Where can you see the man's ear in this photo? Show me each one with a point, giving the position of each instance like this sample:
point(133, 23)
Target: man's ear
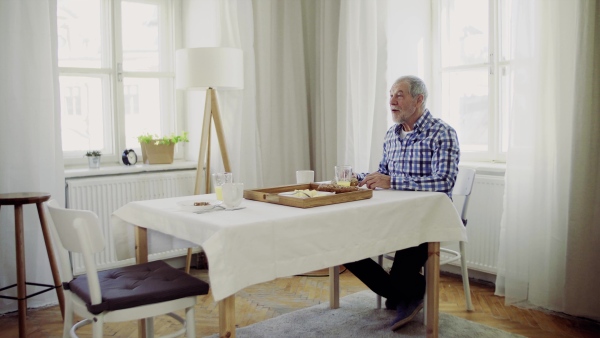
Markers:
point(420, 99)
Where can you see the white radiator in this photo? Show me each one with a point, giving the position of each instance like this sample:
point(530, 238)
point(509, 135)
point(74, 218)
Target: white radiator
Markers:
point(483, 227)
point(103, 195)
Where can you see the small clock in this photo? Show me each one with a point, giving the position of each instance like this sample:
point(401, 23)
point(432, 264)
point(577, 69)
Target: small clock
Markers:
point(129, 157)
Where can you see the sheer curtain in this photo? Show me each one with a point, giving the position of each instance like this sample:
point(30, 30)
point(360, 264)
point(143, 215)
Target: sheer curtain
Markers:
point(550, 229)
point(236, 27)
point(347, 57)
point(321, 91)
point(362, 83)
point(30, 138)
point(281, 90)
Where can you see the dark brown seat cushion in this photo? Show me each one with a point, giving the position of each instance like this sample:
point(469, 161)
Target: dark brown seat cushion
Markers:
point(136, 285)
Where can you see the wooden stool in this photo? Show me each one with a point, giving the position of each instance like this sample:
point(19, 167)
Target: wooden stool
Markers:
point(18, 199)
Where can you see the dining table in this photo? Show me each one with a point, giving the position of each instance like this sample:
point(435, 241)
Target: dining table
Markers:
point(264, 241)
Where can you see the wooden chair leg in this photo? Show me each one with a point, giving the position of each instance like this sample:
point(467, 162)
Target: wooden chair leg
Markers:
point(380, 262)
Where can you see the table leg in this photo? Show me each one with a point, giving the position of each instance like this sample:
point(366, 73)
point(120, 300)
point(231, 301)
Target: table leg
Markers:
point(188, 260)
point(141, 256)
point(334, 287)
point(432, 273)
point(227, 317)
point(52, 259)
point(141, 245)
point(21, 286)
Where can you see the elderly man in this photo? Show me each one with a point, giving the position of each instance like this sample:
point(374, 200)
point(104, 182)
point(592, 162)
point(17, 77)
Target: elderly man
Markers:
point(420, 153)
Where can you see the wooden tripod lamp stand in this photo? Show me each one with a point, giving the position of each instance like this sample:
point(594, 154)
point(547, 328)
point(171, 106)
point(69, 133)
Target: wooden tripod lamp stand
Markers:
point(210, 68)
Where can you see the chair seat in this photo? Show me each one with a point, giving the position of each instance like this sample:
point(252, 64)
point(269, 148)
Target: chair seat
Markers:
point(137, 285)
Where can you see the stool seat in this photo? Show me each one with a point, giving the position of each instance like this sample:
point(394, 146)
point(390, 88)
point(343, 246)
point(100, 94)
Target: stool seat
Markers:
point(18, 199)
point(15, 198)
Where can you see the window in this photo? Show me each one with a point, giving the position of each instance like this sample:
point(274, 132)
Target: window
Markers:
point(115, 60)
point(474, 49)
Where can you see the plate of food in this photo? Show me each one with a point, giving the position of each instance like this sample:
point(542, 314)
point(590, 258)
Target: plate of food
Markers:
point(306, 193)
point(197, 205)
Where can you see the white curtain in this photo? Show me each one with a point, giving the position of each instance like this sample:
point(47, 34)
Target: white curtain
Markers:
point(267, 124)
point(315, 84)
point(282, 105)
point(236, 27)
point(362, 88)
point(347, 54)
point(30, 138)
point(321, 27)
point(550, 229)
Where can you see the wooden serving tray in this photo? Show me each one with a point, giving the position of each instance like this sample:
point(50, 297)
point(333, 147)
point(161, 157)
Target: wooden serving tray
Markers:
point(271, 195)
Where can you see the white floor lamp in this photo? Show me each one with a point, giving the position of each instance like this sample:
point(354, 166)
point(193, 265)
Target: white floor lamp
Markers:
point(209, 68)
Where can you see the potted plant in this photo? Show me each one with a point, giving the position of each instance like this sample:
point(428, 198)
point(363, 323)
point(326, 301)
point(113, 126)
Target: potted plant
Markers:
point(93, 158)
point(160, 150)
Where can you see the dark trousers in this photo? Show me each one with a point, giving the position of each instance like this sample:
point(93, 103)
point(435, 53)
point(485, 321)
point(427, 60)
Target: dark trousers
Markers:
point(404, 283)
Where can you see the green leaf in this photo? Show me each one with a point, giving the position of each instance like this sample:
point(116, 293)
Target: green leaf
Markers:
point(172, 139)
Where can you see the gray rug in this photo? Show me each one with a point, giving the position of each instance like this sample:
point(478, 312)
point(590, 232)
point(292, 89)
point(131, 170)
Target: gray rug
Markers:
point(358, 317)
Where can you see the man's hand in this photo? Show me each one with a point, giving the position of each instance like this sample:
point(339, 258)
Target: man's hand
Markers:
point(376, 180)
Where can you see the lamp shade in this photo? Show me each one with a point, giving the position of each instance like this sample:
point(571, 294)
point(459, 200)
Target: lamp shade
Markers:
point(215, 67)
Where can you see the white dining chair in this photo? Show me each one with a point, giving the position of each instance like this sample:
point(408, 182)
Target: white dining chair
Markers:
point(461, 191)
point(129, 293)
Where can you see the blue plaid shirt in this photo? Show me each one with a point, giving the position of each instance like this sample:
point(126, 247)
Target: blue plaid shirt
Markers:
point(425, 160)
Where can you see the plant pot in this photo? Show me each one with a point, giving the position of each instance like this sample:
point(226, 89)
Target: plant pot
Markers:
point(157, 153)
point(94, 162)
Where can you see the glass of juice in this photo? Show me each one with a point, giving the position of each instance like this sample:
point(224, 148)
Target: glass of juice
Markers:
point(218, 180)
point(343, 175)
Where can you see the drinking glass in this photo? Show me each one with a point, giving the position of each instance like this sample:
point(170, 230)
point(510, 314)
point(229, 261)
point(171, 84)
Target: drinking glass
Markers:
point(218, 180)
point(343, 175)
point(232, 194)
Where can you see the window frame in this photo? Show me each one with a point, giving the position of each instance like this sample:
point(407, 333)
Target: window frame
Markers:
point(111, 66)
point(497, 69)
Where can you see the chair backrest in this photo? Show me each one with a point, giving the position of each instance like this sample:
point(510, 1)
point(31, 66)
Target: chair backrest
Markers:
point(462, 188)
point(79, 231)
point(71, 224)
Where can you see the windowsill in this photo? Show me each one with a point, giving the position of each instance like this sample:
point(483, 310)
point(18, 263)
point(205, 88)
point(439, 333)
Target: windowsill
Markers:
point(120, 169)
point(483, 168)
point(486, 167)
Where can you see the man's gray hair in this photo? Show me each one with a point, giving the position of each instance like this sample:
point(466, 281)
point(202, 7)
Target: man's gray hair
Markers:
point(416, 86)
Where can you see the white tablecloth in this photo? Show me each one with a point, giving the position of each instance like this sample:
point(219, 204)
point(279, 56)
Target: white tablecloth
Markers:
point(265, 241)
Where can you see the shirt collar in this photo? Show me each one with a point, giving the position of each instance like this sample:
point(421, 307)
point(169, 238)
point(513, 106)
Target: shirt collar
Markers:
point(424, 120)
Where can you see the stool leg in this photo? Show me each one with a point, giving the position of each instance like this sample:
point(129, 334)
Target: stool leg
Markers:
point(55, 274)
point(21, 286)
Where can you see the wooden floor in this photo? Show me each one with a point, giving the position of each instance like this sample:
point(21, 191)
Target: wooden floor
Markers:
point(267, 300)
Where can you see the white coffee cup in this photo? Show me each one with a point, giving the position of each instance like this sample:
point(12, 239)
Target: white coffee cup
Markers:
point(233, 194)
point(305, 176)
